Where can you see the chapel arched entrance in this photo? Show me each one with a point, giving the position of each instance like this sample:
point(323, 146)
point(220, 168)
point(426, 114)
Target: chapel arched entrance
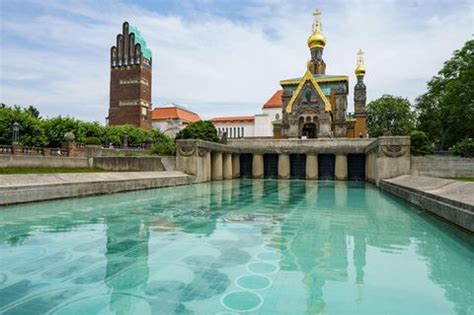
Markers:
point(309, 131)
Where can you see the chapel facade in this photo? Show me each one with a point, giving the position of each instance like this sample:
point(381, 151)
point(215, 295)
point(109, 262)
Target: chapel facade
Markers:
point(315, 105)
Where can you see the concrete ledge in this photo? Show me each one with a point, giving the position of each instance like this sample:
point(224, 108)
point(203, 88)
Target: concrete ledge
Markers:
point(38, 161)
point(449, 199)
point(37, 187)
point(128, 163)
point(308, 146)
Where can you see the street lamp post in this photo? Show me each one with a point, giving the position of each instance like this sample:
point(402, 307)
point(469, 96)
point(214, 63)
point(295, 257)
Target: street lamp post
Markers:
point(15, 133)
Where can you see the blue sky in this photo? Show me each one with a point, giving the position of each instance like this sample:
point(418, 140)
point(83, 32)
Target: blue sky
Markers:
point(219, 57)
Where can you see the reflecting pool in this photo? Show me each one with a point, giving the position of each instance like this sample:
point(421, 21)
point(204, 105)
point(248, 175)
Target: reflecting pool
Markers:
point(242, 246)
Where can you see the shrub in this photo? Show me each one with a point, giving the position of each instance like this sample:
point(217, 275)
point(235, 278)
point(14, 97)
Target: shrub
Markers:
point(464, 148)
point(203, 130)
point(420, 144)
point(164, 147)
point(92, 141)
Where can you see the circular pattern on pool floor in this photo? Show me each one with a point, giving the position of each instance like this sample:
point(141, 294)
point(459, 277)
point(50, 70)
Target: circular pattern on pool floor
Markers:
point(262, 267)
point(270, 256)
point(100, 303)
point(242, 301)
point(253, 282)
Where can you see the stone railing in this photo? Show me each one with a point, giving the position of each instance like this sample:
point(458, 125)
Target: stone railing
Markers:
point(387, 157)
point(21, 150)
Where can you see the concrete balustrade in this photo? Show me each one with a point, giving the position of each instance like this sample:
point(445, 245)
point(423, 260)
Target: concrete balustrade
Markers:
point(341, 167)
point(257, 166)
point(311, 166)
point(227, 165)
point(284, 166)
point(216, 166)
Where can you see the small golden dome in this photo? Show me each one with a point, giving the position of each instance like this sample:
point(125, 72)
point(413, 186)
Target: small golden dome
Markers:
point(360, 68)
point(317, 39)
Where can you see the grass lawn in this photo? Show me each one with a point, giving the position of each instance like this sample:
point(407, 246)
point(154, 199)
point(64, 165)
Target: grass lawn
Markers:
point(22, 170)
point(464, 179)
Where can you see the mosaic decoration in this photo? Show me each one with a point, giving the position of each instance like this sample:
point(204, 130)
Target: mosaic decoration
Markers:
point(234, 247)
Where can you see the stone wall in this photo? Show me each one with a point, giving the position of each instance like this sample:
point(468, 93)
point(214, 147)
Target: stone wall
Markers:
point(38, 161)
point(129, 163)
point(97, 150)
point(387, 157)
point(442, 166)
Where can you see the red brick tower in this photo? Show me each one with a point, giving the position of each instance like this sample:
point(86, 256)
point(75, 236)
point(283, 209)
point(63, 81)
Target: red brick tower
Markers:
point(130, 80)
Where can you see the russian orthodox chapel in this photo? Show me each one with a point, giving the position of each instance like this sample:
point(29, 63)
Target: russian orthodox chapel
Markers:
point(315, 105)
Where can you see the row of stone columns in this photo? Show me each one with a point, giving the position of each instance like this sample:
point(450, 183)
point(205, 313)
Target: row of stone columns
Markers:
point(224, 165)
point(311, 166)
point(227, 166)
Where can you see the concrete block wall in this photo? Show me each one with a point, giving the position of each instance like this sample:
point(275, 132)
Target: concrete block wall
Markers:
point(442, 166)
point(38, 161)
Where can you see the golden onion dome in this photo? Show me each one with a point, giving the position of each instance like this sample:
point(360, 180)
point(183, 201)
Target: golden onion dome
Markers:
point(317, 39)
point(360, 67)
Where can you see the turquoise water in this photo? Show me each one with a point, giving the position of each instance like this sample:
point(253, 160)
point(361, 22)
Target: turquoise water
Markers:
point(252, 247)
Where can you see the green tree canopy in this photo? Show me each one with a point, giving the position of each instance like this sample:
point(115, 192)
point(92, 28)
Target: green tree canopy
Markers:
point(31, 131)
point(203, 130)
point(389, 114)
point(446, 111)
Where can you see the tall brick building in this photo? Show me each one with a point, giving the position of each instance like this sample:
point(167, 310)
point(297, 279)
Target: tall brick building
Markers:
point(130, 80)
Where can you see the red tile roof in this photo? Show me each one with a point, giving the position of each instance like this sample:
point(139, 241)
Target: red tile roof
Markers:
point(233, 119)
point(275, 100)
point(174, 112)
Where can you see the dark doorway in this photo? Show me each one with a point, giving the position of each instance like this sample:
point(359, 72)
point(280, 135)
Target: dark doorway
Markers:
point(270, 165)
point(298, 166)
point(309, 130)
point(246, 165)
point(326, 166)
point(356, 166)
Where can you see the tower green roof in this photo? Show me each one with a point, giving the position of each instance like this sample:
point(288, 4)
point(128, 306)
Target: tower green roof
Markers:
point(146, 52)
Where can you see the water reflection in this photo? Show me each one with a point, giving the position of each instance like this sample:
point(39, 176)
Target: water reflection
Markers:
point(171, 249)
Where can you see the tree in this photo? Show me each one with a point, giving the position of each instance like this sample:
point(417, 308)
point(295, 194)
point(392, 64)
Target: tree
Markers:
point(33, 111)
point(420, 144)
point(446, 111)
point(389, 115)
point(31, 130)
point(203, 130)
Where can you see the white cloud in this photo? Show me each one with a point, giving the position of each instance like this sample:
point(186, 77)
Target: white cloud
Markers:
point(218, 66)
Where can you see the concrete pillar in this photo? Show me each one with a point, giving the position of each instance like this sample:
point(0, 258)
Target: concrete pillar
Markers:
point(257, 166)
point(235, 165)
point(284, 166)
point(341, 167)
point(311, 166)
point(216, 165)
point(227, 165)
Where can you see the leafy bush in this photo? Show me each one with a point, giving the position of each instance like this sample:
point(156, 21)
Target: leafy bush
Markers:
point(166, 147)
point(464, 148)
point(389, 114)
point(31, 131)
point(203, 130)
point(420, 144)
point(92, 141)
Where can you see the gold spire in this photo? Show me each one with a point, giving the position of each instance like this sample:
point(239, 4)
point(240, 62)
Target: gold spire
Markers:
point(360, 68)
point(317, 39)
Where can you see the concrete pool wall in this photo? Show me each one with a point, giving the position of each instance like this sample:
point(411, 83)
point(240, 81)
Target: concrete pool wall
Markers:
point(373, 159)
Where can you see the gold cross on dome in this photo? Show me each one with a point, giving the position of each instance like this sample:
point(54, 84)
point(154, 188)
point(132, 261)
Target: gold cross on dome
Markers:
point(317, 21)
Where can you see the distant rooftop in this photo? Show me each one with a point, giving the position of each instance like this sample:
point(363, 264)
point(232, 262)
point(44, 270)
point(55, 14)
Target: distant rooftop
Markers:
point(174, 111)
point(233, 119)
point(274, 101)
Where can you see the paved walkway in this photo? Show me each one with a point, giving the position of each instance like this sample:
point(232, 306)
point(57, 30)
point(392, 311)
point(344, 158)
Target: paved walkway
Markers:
point(450, 199)
point(35, 187)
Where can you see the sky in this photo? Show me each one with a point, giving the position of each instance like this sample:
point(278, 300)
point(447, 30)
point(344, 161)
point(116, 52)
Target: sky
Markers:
point(220, 57)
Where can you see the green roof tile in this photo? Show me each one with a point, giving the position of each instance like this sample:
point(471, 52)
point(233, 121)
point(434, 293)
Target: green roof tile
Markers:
point(146, 52)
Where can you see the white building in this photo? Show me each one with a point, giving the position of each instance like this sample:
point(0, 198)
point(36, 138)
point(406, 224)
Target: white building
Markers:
point(259, 125)
point(171, 118)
